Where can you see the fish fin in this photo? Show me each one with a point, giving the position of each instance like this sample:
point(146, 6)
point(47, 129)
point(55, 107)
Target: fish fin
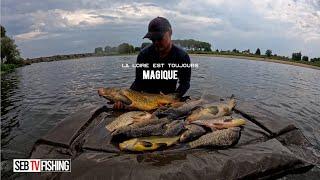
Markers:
point(145, 143)
point(185, 98)
point(135, 120)
point(232, 103)
point(177, 104)
point(218, 125)
point(204, 94)
point(228, 120)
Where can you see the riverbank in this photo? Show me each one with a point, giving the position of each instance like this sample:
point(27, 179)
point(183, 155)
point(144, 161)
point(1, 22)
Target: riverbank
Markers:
point(70, 56)
point(9, 67)
point(290, 62)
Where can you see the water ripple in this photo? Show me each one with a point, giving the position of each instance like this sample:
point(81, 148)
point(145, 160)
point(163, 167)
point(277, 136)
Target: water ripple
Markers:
point(37, 97)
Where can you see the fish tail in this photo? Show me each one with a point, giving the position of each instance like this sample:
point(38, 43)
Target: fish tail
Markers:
point(205, 92)
point(232, 103)
point(204, 96)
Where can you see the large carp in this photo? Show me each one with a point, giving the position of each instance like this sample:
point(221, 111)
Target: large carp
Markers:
point(178, 112)
point(221, 122)
point(213, 111)
point(160, 127)
point(130, 118)
point(139, 100)
point(219, 138)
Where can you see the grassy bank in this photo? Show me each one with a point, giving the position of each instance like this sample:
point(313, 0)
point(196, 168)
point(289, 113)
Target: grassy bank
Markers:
point(70, 56)
point(275, 59)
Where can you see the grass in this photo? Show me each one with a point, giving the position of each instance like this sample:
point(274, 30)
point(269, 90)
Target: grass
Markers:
point(7, 67)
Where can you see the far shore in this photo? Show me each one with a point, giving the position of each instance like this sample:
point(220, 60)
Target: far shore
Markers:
point(260, 59)
point(85, 55)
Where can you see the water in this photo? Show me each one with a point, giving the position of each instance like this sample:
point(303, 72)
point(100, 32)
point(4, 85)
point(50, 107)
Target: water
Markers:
point(37, 97)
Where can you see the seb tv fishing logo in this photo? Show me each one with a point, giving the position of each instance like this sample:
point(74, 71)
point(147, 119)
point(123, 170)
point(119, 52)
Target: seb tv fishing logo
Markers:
point(42, 165)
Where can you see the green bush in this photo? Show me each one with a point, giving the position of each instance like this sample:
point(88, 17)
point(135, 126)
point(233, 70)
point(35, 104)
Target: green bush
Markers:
point(7, 67)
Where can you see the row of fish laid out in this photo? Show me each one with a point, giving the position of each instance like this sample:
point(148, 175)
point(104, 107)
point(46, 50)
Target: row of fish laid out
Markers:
point(195, 122)
point(217, 132)
point(219, 138)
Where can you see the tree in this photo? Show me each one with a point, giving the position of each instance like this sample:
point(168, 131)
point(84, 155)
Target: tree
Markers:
point(305, 58)
point(235, 51)
point(296, 56)
point(258, 52)
point(9, 51)
point(107, 49)
point(114, 49)
point(125, 48)
point(193, 45)
point(137, 49)
point(315, 59)
point(98, 50)
point(3, 31)
point(268, 53)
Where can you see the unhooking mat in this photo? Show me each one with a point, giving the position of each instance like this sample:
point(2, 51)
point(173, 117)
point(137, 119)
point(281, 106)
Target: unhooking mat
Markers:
point(270, 146)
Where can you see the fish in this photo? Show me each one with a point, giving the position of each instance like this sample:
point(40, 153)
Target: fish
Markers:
point(174, 128)
point(148, 143)
point(219, 138)
point(193, 131)
point(183, 110)
point(128, 119)
point(114, 95)
point(139, 100)
point(155, 128)
point(161, 127)
point(214, 111)
point(221, 122)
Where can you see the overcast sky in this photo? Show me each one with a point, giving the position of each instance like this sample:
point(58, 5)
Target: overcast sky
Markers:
point(50, 27)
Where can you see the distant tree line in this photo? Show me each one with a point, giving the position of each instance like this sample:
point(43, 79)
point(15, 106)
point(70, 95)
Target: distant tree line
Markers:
point(193, 45)
point(125, 48)
point(295, 56)
point(298, 57)
point(315, 59)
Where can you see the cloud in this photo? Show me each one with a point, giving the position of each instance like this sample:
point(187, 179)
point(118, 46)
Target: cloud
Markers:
point(283, 25)
point(133, 14)
point(302, 17)
point(30, 35)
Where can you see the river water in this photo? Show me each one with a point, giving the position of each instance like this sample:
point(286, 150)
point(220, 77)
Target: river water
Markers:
point(37, 97)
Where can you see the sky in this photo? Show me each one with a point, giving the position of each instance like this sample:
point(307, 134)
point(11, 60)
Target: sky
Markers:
point(51, 27)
